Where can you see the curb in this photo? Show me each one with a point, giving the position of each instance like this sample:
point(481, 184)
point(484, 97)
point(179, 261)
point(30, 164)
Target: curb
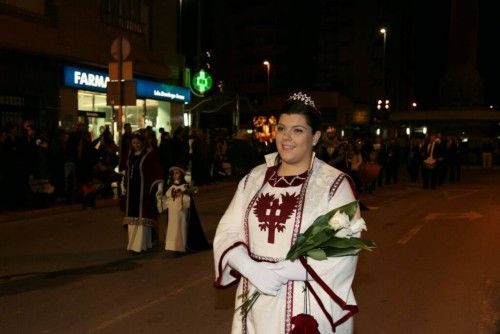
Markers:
point(26, 214)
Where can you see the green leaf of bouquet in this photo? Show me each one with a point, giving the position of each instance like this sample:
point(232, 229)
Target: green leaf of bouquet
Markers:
point(343, 242)
point(292, 256)
point(317, 254)
point(368, 244)
point(334, 252)
point(314, 229)
point(300, 239)
point(350, 209)
point(352, 242)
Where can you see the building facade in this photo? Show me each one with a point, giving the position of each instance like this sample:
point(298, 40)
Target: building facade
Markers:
point(54, 59)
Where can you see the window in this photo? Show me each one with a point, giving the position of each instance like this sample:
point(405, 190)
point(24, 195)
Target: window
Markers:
point(132, 15)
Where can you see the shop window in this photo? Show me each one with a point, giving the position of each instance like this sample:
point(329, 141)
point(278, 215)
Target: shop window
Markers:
point(85, 101)
point(93, 111)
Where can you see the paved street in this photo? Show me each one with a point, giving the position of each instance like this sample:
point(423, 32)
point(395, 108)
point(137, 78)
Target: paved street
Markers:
point(436, 268)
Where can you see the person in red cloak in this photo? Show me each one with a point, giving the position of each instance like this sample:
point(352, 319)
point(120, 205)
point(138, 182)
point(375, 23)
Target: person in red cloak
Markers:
point(142, 181)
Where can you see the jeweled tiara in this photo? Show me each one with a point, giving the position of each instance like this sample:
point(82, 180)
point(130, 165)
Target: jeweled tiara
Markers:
point(303, 98)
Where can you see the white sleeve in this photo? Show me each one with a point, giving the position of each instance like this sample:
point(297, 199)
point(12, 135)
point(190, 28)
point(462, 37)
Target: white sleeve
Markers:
point(229, 235)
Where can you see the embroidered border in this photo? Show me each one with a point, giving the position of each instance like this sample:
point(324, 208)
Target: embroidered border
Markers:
point(138, 221)
point(282, 181)
point(265, 258)
point(244, 327)
point(247, 238)
point(335, 186)
point(296, 230)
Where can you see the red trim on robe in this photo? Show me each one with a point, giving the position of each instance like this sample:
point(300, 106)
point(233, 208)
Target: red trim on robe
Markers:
point(234, 273)
point(351, 309)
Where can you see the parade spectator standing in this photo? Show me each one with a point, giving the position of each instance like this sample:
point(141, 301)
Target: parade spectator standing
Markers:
point(13, 166)
point(241, 155)
point(107, 153)
point(70, 153)
point(328, 148)
point(40, 185)
point(86, 158)
point(200, 158)
point(429, 163)
point(28, 159)
point(293, 187)
point(392, 162)
point(355, 160)
point(413, 160)
point(150, 137)
point(165, 152)
point(180, 148)
point(487, 153)
point(220, 159)
point(142, 183)
point(440, 155)
point(86, 168)
point(452, 158)
point(124, 146)
point(57, 160)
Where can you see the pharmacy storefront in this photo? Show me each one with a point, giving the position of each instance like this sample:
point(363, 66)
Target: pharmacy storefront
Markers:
point(157, 105)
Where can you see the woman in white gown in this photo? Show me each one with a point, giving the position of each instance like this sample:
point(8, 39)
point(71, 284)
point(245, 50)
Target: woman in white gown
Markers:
point(273, 204)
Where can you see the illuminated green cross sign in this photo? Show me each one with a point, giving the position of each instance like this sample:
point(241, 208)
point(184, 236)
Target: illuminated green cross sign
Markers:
point(202, 81)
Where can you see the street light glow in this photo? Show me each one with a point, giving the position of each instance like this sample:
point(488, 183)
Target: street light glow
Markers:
point(267, 64)
point(383, 31)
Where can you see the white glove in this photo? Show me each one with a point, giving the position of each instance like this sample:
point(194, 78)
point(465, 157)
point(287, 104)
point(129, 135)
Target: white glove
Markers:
point(292, 271)
point(261, 274)
point(159, 192)
point(123, 189)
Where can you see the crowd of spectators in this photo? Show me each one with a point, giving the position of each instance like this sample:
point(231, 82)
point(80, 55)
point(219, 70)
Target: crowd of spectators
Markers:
point(37, 170)
point(373, 162)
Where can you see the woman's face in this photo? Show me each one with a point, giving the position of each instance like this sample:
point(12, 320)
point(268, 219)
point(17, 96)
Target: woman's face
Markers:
point(176, 175)
point(136, 145)
point(295, 140)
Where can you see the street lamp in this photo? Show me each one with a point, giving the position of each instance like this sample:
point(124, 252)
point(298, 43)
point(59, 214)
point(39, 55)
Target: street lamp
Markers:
point(267, 64)
point(383, 31)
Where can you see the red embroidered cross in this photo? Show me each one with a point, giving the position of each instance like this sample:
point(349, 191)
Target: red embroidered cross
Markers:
point(273, 215)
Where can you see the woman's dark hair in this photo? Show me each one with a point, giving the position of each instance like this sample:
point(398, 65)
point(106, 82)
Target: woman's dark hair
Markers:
point(139, 136)
point(301, 104)
point(296, 106)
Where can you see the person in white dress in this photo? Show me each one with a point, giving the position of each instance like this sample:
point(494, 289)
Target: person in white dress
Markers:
point(273, 204)
point(177, 202)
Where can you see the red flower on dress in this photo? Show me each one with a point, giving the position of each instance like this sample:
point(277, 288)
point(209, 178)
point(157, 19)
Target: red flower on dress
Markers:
point(304, 324)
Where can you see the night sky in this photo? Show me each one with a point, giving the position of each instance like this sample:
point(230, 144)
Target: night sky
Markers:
point(431, 37)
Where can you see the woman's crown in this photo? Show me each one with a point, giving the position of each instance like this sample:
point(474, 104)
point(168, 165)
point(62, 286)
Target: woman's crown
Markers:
point(304, 98)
